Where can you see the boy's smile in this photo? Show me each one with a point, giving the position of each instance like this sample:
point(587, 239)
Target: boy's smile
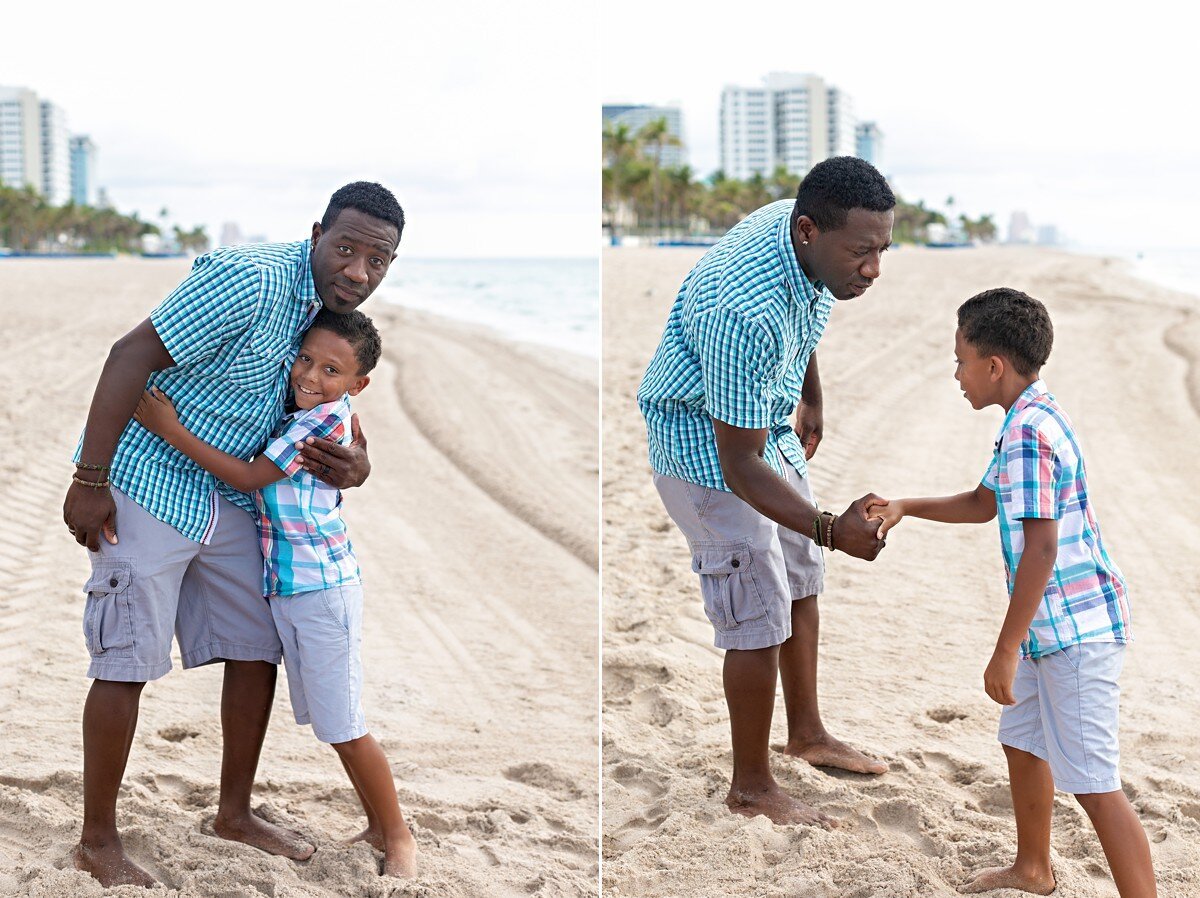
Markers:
point(325, 368)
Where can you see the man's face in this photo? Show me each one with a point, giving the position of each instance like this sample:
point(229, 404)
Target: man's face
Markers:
point(847, 261)
point(351, 258)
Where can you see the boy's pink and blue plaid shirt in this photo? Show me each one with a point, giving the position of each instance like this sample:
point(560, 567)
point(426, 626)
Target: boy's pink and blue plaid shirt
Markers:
point(1037, 472)
point(304, 541)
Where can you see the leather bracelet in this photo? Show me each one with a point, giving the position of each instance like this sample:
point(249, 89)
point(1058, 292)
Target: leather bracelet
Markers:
point(85, 467)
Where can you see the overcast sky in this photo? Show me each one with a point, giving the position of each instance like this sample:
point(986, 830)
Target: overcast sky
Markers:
point(482, 117)
point(1082, 115)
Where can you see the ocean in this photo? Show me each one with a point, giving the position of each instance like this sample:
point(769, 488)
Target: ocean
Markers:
point(554, 302)
point(1177, 267)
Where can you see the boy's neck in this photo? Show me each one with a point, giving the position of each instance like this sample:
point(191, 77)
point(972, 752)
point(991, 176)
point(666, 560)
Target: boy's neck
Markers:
point(1011, 391)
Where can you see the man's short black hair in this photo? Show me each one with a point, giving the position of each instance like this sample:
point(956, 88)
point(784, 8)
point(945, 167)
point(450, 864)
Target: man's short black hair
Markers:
point(356, 329)
point(370, 199)
point(834, 187)
point(1008, 323)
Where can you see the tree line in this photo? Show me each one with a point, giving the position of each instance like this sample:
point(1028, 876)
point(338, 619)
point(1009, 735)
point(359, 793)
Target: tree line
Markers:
point(30, 224)
point(642, 196)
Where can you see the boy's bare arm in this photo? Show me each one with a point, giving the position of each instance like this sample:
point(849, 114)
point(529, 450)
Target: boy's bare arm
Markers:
point(976, 507)
point(1029, 585)
point(155, 413)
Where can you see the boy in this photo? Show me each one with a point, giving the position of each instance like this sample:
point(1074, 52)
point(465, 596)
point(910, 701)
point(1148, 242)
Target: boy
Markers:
point(1068, 613)
point(310, 574)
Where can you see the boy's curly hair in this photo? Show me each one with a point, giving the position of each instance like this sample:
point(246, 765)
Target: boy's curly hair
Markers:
point(1008, 323)
point(356, 329)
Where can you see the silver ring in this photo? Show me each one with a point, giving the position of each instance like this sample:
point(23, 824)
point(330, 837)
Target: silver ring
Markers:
point(327, 469)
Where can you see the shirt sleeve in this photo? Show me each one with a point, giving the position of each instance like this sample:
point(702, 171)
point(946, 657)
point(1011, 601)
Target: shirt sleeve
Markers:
point(1033, 470)
point(737, 364)
point(991, 477)
point(215, 303)
point(323, 422)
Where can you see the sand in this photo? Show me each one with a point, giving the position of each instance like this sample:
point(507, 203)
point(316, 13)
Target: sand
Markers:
point(477, 537)
point(905, 640)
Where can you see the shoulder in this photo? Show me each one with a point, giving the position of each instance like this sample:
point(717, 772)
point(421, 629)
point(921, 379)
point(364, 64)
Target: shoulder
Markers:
point(329, 418)
point(742, 272)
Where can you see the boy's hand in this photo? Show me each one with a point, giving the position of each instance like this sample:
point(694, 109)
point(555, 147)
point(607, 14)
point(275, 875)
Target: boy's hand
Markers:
point(999, 675)
point(155, 413)
point(889, 514)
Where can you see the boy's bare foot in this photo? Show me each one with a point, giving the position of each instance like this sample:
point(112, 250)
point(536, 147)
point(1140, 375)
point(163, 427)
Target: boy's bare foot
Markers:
point(830, 752)
point(775, 804)
point(400, 857)
point(1009, 878)
point(110, 867)
point(258, 833)
point(372, 837)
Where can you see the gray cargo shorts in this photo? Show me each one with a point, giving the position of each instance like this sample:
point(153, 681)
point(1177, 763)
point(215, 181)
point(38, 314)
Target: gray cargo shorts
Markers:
point(751, 569)
point(156, 581)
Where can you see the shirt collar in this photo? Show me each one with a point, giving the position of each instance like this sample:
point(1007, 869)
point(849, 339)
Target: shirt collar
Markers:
point(801, 288)
point(1028, 395)
point(307, 293)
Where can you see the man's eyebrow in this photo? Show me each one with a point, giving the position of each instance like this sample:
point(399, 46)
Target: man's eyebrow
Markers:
point(350, 237)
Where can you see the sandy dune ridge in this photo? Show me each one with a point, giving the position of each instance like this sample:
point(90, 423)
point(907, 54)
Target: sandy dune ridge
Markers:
point(905, 640)
point(480, 642)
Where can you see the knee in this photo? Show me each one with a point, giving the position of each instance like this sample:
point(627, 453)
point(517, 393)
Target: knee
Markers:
point(349, 748)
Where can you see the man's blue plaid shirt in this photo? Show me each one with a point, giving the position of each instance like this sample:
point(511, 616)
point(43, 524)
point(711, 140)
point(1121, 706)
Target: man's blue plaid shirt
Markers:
point(735, 348)
point(233, 328)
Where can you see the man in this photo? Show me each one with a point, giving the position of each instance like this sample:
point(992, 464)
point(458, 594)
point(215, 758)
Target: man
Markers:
point(736, 357)
point(188, 556)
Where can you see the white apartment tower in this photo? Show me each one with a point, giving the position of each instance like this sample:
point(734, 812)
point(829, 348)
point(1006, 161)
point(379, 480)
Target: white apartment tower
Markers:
point(56, 155)
point(793, 120)
point(20, 138)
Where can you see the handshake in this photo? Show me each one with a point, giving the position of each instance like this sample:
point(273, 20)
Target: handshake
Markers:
point(861, 529)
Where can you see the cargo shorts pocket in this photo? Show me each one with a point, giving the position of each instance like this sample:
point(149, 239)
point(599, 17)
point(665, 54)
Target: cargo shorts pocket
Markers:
point(108, 614)
point(727, 583)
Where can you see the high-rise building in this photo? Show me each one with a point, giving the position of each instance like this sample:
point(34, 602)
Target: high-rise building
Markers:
point(793, 120)
point(83, 170)
point(634, 117)
point(20, 138)
point(56, 155)
point(868, 143)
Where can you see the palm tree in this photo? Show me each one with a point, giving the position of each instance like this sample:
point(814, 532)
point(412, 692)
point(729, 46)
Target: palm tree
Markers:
point(620, 149)
point(655, 134)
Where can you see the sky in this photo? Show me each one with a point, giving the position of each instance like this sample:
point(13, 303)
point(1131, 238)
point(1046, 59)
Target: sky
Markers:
point(1084, 116)
point(481, 117)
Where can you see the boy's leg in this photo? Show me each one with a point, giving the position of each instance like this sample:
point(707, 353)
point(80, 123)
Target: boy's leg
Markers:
point(109, 721)
point(1032, 789)
point(368, 768)
point(807, 736)
point(373, 834)
point(1124, 842)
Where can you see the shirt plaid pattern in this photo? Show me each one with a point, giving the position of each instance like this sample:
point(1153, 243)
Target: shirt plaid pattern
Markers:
point(1037, 472)
point(232, 328)
point(300, 526)
point(735, 348)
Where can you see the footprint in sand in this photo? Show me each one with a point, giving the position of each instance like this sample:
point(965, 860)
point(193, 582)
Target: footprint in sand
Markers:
point(545, 777)
point(946, 714)
point(641, 811)
point(903, 817)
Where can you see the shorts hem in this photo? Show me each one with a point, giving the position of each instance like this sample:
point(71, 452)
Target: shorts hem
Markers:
point(225, 651)
point(759, 639)
point(1038, 751)
point(1090, 787)
point(809, 588)
point(118, 672)
point(344, 736)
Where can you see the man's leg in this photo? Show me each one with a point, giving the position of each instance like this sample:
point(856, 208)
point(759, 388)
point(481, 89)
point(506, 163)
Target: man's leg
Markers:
point(109, 721)
point(807, 737)
point(749, 677)
point(1032, 788)
point(246, 698)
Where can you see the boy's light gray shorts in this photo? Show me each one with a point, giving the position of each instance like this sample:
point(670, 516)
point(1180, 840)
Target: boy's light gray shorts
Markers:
point(322, 654)
point(156, 581)
point(751, 569)
point(1066, 713)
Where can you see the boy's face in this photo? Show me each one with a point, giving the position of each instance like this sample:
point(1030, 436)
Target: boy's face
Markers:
point(325, 368)
point(976, 374)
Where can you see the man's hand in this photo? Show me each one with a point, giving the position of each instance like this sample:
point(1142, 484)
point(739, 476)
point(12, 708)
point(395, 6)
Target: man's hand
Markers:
point(889, 514)
point(854, 533)
point(810, 425)
point(337, 465)
point(156, 413)
point(88, 512)
point(999, 675)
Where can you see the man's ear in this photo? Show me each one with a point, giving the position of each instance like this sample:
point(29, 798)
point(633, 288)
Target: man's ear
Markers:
point(316, 231)
point(359, 385)
point(805, 229)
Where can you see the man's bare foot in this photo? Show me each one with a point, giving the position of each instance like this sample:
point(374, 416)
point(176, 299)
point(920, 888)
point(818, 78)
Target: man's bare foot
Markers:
point(1009, 878)
point(110, 867)
point(372, 837)
point(258, 833)
point(775, 804)
point(830, 752)
point(400, 857)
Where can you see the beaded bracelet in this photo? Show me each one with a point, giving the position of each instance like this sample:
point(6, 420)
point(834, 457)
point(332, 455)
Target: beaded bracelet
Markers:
point(94, 484)
point(84, 467)
point(831, 520)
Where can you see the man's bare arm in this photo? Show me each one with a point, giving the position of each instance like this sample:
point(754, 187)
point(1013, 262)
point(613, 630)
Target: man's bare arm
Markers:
point(747, 473)
point(88, 511)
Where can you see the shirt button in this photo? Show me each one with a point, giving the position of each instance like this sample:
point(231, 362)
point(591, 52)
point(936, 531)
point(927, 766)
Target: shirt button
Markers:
point(736, 563)
point(112, 582)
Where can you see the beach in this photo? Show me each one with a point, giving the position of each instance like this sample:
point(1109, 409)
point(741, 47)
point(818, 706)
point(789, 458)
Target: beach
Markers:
point(905, 640)
point(476, 534)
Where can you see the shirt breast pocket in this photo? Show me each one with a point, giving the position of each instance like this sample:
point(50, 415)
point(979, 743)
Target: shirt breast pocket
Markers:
point(255, 365)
